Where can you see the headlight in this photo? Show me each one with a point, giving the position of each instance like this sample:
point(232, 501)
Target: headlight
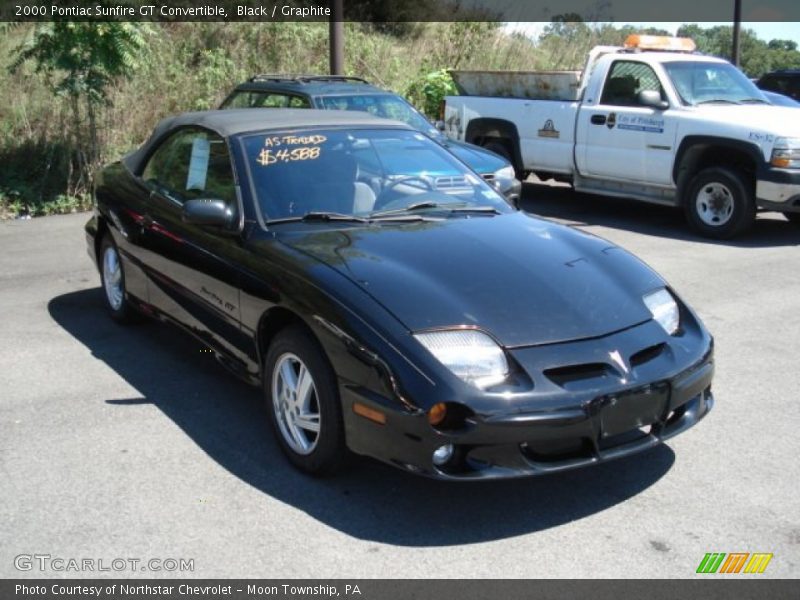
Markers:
point(786, 153)
point(503, 177)
point(471, 355)
point(664, 309)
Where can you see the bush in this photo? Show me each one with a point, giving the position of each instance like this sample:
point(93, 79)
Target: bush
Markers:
point(427, 92)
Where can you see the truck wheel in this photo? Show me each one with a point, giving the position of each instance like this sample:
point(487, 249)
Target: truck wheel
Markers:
point(792, 217)
point(503, 148)
point(719, 203)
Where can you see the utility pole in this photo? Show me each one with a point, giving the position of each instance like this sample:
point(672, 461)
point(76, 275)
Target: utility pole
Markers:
point(336, 35)
point(737, 29)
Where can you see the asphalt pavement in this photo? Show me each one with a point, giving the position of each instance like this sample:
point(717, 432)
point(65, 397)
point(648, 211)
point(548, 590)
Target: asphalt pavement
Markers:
point(132, 443)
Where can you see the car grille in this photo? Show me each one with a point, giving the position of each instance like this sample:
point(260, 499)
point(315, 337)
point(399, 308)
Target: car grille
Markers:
point(452, 184)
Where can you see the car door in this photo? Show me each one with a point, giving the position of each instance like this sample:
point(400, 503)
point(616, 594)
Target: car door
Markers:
point(622, 139)
point(193, 278)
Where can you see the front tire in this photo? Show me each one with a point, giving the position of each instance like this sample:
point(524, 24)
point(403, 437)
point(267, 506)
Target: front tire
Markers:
point(719, 203)
point(112, 276)
point(303, 402)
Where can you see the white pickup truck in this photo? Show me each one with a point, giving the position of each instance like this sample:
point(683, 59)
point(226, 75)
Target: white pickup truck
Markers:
point(653, 121)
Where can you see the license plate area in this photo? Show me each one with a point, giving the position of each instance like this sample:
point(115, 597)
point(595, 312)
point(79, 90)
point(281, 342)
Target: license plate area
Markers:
point(635, 408)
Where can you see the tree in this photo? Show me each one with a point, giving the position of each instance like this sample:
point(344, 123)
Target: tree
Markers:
point(783, 45)
point(82, 61)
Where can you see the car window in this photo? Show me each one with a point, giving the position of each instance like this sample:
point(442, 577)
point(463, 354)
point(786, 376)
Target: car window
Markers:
point(387, 106)
point(787, 85)
point(626, 79)
point(192, 163)
point(298, 102)
point(772, 83)
point(265, 100)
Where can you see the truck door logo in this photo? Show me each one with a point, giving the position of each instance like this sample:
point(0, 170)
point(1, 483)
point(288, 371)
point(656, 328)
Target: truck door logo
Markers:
point(611, 120)
point(549, 130)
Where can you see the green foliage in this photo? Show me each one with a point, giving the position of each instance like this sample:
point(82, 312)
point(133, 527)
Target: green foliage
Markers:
point(428, 91)
point(13, 205)
point(80, 61)
point(87, 56)
point(757, 56)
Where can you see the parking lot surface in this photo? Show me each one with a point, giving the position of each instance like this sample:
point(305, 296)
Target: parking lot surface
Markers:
point(132, 442)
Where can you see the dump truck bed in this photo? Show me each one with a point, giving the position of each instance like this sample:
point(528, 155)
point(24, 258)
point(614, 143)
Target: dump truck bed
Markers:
point(534, 85)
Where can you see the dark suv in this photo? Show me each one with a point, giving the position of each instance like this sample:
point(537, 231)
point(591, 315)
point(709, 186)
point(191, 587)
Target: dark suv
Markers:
point(786, 82)
point(353, 93)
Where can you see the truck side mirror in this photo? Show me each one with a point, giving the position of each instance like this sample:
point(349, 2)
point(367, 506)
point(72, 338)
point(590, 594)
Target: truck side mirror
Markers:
point(652, 99)
point(439, 125)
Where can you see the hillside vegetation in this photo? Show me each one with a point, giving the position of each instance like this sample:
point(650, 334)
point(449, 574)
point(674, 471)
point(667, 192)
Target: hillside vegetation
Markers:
point(51, 140)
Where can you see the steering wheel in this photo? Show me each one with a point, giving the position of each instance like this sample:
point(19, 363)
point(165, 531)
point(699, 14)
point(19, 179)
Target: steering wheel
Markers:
point(382, 201)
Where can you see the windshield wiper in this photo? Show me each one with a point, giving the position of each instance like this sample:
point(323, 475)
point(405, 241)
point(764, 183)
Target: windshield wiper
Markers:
point(321, 216)
point(716, 100)
point(412, 207)
point(753, 101)
point(451, 207)
point(486, 210)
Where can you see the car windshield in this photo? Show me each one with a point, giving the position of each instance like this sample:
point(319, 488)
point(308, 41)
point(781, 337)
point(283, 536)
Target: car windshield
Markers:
point(361, 174)
point(707, 83)
point(387, 106)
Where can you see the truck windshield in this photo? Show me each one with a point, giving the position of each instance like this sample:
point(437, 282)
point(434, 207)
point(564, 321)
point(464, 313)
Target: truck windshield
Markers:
point(705, 83)
point(359, 174)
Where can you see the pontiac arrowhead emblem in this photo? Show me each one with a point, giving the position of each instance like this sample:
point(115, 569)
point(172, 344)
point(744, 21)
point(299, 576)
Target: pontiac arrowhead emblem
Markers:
point(616, 358)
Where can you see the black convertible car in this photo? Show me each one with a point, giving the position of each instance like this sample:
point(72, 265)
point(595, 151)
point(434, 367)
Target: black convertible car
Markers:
point(391, 302)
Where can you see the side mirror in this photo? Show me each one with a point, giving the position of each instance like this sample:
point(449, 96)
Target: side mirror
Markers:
point(652, 99)
point(207, 212)
point(439, 125)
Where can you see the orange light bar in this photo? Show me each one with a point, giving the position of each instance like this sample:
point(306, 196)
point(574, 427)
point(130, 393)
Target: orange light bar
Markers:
point(660, 42)
point(365, 411)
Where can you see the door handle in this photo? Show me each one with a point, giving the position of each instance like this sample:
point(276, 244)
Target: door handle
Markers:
point(598, 119)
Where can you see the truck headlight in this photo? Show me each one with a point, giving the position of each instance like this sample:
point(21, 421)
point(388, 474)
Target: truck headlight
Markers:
point(471, 355)
point(664, 309)
point(786, 153)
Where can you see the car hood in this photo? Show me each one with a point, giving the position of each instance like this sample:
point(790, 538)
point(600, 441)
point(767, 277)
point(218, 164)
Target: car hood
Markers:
point(478, 159)
point(523, 280)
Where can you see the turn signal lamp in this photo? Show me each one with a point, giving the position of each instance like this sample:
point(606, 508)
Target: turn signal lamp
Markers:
point(437, 413)
point(660, 42)
point(365, 411)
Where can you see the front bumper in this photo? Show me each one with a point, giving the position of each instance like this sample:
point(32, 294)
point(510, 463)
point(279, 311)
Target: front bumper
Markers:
point(553, 429)
point(779, 189)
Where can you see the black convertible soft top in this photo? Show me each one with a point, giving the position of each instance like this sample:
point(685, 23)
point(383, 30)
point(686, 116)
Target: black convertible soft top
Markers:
point(231, 122)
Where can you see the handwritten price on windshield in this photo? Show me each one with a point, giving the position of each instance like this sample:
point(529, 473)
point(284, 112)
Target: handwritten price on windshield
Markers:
point(269, 157)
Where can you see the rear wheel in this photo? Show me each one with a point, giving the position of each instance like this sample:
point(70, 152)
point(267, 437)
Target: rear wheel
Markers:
point(303, 402)
point(793, 217)
point(112, 276)
point(719, 203)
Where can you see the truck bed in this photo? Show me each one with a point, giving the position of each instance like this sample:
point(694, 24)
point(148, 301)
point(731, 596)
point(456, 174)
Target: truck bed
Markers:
point(533, 85)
